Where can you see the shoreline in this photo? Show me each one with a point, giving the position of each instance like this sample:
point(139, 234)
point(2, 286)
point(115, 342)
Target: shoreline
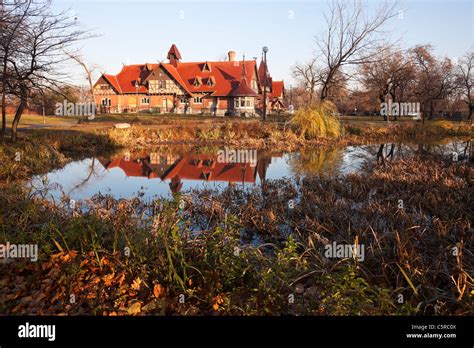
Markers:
point(48, 149)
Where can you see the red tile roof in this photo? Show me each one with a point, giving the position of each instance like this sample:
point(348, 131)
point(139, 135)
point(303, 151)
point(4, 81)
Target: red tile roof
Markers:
point(226, 76)
point(112, 79)
point(277, 89)
point(242, 90)
point(261, 74)
point(175, 74)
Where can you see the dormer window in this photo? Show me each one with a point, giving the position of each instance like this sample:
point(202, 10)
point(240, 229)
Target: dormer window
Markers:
point(197, 81)
point(211, 81)
point(206, 67)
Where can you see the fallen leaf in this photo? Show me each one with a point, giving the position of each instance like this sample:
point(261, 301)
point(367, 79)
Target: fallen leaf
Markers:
point(218, 300)
point(158, 290)
point(136, 284)
point(135, 308)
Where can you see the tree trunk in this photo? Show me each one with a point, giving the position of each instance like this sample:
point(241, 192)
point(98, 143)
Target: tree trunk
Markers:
point(324, 93)
point(394, 100)
point(4, 113)
point(423, 112)
point(18, 114)
point(310, 102)
point(4, 95)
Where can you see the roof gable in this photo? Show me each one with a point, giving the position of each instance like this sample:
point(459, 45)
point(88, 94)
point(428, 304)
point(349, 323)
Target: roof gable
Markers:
point(278, 89)
point(216, 78)
point(224, 76)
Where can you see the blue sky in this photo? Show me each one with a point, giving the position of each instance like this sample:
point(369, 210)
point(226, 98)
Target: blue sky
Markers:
point(142, 31)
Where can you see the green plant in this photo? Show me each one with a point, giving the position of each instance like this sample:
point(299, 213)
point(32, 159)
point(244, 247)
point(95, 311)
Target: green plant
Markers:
point(317, 121)
point(355, 130)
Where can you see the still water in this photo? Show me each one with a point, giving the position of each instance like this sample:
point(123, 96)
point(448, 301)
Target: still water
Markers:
point(161, 172)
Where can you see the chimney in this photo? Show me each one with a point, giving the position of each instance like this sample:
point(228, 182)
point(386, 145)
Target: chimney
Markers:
point(231, 56)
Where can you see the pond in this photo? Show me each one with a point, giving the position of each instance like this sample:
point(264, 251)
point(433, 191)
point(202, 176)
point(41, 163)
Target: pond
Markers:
point(162, 172)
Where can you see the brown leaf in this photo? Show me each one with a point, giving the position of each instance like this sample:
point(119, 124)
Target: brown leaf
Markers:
point(108, 278)
point(218, 300)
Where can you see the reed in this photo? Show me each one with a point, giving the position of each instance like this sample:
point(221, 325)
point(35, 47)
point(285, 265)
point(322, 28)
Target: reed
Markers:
point(203, 250)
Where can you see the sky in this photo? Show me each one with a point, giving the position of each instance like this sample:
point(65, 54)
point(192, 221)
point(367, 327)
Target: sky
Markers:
point(135, 32)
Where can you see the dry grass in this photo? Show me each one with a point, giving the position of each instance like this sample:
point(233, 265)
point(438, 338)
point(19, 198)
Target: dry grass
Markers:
point(409, 250)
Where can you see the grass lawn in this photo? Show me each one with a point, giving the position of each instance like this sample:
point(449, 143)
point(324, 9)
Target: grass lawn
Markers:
point(29, 120)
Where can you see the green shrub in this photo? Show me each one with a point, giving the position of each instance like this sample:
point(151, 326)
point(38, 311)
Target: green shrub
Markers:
point(355, 130)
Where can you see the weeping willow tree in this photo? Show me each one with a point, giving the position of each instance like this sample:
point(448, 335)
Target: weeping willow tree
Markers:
point(317, 121)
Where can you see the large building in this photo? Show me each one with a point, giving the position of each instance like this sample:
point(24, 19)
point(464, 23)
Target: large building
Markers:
point(232, 87)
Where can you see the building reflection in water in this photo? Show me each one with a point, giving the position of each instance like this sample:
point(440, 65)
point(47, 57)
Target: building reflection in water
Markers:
point(196, 167)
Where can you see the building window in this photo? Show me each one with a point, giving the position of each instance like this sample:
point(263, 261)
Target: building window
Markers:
point(163, 84)
point(145, 100)
point(106, 102)
point(211, 81)
point(197, 81)
point(197, 100)
point(206, 67)
point(243, 102)
point(184, 100)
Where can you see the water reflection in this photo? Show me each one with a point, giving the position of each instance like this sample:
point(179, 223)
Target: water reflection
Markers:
point(458, 151)
point(176, 169)
point(164, 172)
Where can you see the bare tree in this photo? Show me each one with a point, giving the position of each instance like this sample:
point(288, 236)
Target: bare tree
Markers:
point(44, 38)
point(89, 71)
point(309, 76)
point(435, 79)
point(390, 76)
point(465, 80)
point(13, 17)
point(352, 37)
